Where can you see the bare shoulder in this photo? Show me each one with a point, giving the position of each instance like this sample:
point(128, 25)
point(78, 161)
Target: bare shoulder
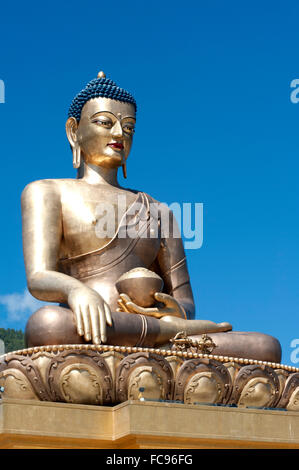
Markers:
point(153, 200)
point(41, 194)
point(50, 188)
point(162, 206)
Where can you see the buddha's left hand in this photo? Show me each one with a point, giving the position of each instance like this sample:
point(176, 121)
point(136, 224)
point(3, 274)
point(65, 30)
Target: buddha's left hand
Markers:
point(171, 308)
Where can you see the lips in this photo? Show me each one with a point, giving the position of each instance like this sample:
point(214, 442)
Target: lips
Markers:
point(116, 146)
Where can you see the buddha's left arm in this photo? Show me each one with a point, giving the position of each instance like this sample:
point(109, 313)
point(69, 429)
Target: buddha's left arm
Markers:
point(172, 263)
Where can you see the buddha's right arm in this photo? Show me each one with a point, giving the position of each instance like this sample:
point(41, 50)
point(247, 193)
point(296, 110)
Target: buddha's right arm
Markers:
point(42, 234)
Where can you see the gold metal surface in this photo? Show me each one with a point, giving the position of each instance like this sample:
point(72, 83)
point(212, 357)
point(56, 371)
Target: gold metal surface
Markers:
point(59, 218)
point(140, 286)
point(106, 375)
point(181, 342)
point(68, 262)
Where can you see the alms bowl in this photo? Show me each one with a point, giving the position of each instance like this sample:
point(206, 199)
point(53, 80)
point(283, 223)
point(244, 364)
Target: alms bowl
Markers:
point(140, 284)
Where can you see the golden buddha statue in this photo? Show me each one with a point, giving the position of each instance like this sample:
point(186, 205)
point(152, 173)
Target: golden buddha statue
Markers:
point(69, 262)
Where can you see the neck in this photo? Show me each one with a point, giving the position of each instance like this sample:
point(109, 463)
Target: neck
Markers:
point(93, 174)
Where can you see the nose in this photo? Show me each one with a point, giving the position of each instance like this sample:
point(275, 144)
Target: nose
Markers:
point(117, 130)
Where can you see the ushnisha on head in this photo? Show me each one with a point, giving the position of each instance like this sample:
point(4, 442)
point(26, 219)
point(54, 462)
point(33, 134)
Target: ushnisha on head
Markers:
point(101, 123)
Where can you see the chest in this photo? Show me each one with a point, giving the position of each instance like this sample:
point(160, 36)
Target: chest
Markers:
point(91, 218)
point(84, 209)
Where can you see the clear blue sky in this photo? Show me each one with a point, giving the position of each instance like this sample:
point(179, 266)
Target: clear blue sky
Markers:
point(215, 125)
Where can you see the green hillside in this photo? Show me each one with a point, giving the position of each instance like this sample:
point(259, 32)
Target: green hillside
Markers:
point(13, 339)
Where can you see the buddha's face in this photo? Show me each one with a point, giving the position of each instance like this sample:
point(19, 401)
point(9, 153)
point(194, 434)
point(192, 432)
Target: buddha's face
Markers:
point(105, 132)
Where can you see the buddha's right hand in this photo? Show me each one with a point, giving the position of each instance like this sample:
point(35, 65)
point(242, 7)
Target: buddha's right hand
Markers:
point(91, 313)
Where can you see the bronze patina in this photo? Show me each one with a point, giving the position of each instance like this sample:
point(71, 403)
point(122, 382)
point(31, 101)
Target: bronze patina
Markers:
point(125, 326)
point(69, 262)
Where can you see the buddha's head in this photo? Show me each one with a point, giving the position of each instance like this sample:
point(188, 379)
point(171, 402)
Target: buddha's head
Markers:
point(101, 124)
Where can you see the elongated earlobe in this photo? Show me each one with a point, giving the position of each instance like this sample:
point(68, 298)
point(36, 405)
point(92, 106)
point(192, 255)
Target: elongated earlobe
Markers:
point(76, 156)
point(71, 127)
point(124, 167)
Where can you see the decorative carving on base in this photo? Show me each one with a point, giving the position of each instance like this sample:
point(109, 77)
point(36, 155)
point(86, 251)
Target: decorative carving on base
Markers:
point(107, 375)
point(290, 396)
point(144, 370)
point(76, 378)
point(256, 385)
point(21, 378)
point(233, 369)
point(204, 381)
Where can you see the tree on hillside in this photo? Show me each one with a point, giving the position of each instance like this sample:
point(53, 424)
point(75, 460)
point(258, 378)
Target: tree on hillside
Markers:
point(13, 339)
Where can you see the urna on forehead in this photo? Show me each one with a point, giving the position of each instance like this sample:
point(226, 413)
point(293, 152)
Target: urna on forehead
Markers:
point(100, 87)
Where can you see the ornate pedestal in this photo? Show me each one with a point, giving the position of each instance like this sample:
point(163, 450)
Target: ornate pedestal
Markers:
point(109, 375)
